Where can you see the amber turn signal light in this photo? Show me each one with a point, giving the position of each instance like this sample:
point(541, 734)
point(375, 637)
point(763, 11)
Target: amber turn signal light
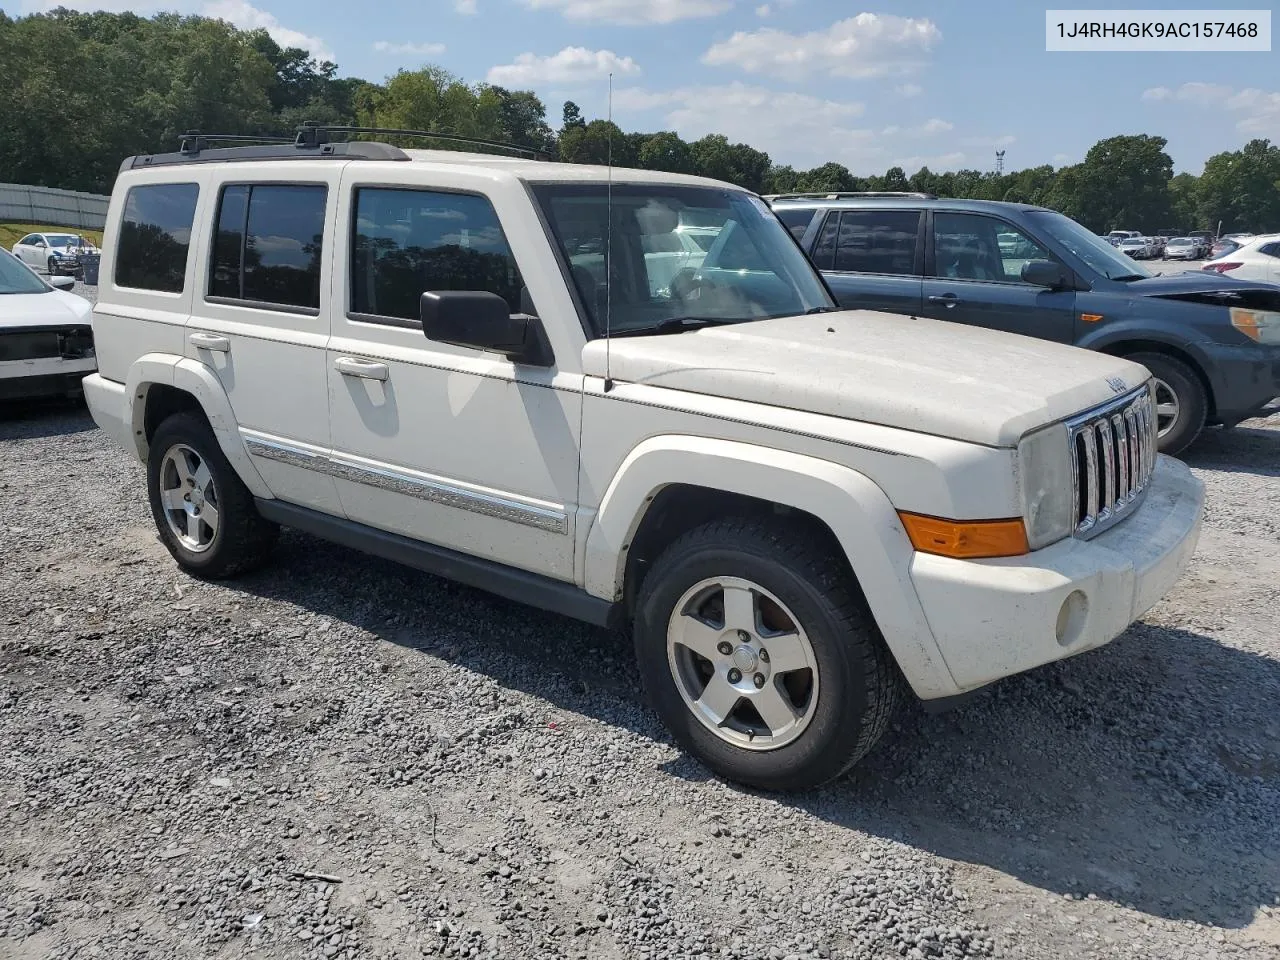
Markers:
point(966, 540)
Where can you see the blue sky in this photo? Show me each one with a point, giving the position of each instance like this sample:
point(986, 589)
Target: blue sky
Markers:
point(937, 83)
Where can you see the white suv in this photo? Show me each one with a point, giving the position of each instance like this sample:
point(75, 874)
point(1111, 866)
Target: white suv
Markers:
point(793, 508)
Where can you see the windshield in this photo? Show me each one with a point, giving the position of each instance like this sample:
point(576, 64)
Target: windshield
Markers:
point(62, 240)
point(742, 264)
point(1089, 247)
point(1180, 242)
point(16, 277)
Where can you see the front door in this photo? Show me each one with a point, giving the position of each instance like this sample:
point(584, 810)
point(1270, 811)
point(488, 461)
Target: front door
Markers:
point(975, 277)
point(442, 443)
point(872, 258)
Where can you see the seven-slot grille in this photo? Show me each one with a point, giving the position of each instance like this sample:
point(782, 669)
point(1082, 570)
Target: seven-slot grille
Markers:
point(1113, 451)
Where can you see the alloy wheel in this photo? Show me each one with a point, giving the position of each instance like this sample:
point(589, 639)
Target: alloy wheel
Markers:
point(189, 498)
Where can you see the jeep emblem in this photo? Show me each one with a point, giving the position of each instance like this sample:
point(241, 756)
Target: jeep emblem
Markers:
point(1117, 385)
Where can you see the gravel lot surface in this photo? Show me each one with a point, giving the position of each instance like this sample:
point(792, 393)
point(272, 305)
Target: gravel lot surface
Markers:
point(338, 757)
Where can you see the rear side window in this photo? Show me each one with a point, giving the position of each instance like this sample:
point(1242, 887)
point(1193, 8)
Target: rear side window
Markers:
point(409, 241)
point(1270, 249)
point(268, 244)
point(877, 241)
point(797, 221)
point(155, 235)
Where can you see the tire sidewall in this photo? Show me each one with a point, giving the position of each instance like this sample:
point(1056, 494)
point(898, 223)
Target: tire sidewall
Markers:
point(1192, 402)
point(820, 751)
point(187, 430)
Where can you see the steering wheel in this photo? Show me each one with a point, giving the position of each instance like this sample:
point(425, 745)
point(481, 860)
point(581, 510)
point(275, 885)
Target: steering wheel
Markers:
point(687, 284)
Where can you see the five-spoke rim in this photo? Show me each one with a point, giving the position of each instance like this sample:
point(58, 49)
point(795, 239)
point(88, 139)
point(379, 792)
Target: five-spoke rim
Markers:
point(1166, 408)
point(742, 663)
point(189, 498)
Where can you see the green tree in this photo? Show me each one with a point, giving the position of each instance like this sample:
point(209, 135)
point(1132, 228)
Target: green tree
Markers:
point(1241, 188)
point(595, 142)
point(665, 151)
point(1124, 184)
point(714, 156)
point(1184, 202)
point(571, 116)
point(828, 178)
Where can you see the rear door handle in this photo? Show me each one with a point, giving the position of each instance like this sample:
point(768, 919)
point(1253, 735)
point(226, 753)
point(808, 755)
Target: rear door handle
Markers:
point(950, 299)
point(365, 369)
point(209, 341)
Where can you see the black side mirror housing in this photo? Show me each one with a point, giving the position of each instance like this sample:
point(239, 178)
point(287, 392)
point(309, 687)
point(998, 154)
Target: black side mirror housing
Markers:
point(483, 321)
point(1045, 273)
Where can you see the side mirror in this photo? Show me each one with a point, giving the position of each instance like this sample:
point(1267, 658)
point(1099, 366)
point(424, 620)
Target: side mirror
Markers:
point(1044, 273)
point(483, 321)
point(62, 283)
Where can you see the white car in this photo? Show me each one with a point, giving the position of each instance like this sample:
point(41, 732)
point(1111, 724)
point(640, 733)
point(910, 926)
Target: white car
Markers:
point(1136, 247)
point(1183, 248)
point(793, 507)
point(55, 253)
point(1255, 259)
point(46, 337)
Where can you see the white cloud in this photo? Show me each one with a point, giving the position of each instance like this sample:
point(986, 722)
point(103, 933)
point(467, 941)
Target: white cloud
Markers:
point(465, 7)
point(763, 10)
point(1257, 111)
point(1061, 159)
point(927, 129)
point(410, 49)
point(908, 90)
point(801, 130)
point(633, 12)
point(868, 45)
point(571, 66)
point(246, 16)
point(937, 162)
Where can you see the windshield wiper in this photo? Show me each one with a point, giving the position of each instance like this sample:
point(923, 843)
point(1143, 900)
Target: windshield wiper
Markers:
point(681, 324)
point(1127, 277)
point(822, 310)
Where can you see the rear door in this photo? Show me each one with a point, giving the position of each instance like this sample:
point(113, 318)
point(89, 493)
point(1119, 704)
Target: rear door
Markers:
point(1269, 253)
point(873, 259)
point(258, 323)
point(975, 276)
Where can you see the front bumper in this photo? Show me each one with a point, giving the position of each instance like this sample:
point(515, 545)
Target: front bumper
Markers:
point(43, 376)
point(1245, 378)
point(995, 618)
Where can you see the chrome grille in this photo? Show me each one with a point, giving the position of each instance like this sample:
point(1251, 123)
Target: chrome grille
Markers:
point(1113, 454)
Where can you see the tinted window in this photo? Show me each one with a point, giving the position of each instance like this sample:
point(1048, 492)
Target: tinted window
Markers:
point(969, 246)
point(1270, 249)
point(268, 244)
point(877, 241)
point(824, 252)
point(155, 234)
point(411, 241)
point(797, 221)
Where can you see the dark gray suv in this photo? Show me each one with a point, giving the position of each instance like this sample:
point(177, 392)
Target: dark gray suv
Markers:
point(1212, 343)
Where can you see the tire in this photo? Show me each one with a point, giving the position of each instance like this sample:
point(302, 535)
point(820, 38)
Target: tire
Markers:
point(853, 685)
point(239, 540)
point(1192, 401)
point(52, 267)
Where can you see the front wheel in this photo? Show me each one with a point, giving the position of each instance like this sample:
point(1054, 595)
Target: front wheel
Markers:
point(53, 267)
point(759, 654)
point(204, 513)
point(1182, 404)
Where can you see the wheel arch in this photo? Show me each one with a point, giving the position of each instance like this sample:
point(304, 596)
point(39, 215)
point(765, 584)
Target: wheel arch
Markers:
point(1128, 347)
point(160, 385)
point(670, 484)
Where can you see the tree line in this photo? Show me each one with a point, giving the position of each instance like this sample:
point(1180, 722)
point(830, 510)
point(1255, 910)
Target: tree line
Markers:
point(81, 91)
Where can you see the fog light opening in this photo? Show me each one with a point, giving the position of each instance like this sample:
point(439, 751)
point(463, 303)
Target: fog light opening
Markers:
point(1072, 617)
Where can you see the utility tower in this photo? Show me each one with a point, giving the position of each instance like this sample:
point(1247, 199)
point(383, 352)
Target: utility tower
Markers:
point(999, 161)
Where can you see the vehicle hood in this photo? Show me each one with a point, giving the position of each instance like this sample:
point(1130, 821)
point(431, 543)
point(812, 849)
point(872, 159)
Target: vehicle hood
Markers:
point(52, 308)
point(1193, 281)
point(929, 376)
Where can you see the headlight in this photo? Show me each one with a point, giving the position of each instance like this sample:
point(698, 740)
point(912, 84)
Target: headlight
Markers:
point(1044, 477)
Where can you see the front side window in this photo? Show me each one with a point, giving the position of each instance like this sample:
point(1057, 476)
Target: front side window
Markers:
point(970, 246)
point(410, 241)
point(16, 276)
point(877, 241)
point(742, 266)
point(155, 235)
point(268, 244)
point(1097, 254)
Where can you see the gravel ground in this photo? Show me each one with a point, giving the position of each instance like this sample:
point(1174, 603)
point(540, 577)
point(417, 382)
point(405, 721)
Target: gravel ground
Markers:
point(338, 757)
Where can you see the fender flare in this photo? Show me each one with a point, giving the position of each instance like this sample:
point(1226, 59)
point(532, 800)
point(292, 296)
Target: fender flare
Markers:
point(198, 380)
point(855, 508)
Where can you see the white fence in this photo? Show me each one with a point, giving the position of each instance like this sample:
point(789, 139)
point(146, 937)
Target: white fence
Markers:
point(52, 208)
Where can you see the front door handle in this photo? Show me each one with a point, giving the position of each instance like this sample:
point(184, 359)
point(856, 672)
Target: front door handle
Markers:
point(365, 369)
point(209, 341)
point(949, 299)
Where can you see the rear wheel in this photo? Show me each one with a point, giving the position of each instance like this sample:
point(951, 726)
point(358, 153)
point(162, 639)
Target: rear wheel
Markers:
point(1182, 404)
point(760, 656)
point(204, 513)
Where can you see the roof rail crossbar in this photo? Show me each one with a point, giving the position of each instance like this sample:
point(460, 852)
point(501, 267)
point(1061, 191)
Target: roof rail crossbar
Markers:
point(315, 134)
point(843, 194)
point(193, 141)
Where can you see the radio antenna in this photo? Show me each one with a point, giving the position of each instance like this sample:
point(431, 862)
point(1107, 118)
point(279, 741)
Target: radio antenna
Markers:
point(608, 245)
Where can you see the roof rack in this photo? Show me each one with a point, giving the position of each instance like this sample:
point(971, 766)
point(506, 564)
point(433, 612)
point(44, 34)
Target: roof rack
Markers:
point(312, 142)
point(312, 134)
point(849, 194)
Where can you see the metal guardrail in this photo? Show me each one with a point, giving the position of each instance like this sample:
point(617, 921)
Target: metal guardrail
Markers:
point(52, 208)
